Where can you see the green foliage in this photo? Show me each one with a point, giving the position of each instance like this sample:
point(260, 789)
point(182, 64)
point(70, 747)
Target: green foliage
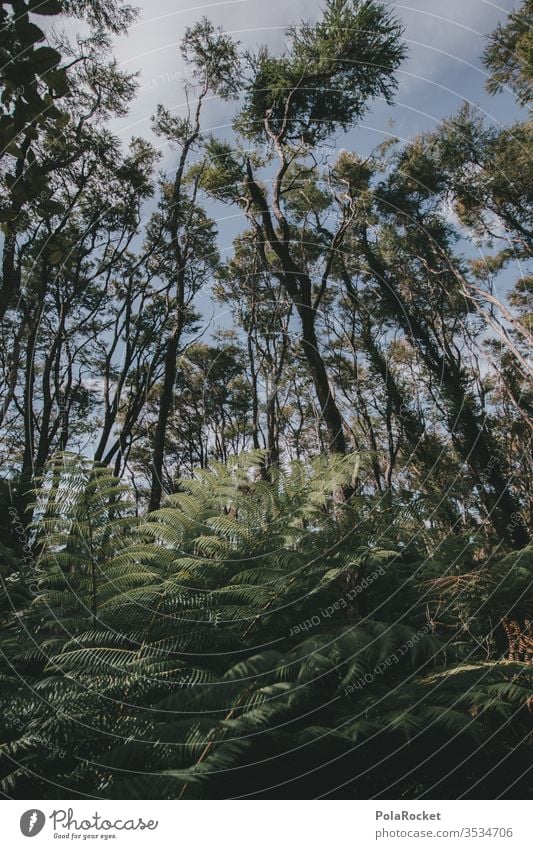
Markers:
point(331, 70)
point(509, 54)
point(35, 83)
point(213, 58)
point(251, 637)
point(221, 174)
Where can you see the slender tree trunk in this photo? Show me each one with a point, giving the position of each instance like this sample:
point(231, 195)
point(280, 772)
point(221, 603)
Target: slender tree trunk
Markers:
point(165, 403)
point(298, 286)
point(255, 398)
point(469, 429)
point(328, 406)
point(27, 477)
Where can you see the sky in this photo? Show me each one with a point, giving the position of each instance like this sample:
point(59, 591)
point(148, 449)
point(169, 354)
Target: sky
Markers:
point(445, 39)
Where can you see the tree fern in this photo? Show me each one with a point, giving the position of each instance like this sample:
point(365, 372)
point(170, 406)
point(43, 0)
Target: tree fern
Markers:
point(251, 637)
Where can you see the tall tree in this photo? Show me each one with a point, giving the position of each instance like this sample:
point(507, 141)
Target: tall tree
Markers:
point(289, 110)
point(509, 54)
point(71, 238)
point(212, 60)
point(36, 87)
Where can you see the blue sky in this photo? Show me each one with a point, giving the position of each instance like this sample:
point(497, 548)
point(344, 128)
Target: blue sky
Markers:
point(445, 40)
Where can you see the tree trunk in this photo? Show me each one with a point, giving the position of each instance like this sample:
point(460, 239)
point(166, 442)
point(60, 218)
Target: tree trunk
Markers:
point(469, 430)
point(328, 406)
point(165, 403)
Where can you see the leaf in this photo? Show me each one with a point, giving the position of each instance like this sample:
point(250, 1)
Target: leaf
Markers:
point(44, 59)
point(28, 32)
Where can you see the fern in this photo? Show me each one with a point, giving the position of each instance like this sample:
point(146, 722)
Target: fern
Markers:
point(251, 637)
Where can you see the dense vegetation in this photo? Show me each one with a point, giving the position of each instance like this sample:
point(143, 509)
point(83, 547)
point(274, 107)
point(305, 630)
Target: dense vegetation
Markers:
point(289, 556)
